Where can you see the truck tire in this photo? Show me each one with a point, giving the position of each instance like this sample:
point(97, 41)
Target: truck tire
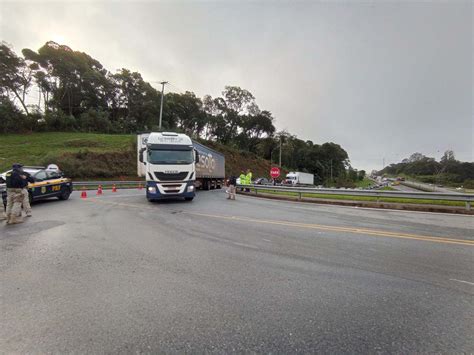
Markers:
point(207, 185)
point(188, 198)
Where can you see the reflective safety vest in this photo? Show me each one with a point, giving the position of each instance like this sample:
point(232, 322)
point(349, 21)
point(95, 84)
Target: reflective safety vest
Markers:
point(243, 179)
point(249, 178)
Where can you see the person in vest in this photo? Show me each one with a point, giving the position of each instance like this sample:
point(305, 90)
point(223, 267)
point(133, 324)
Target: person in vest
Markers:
point(243, 179)
point(248, 179)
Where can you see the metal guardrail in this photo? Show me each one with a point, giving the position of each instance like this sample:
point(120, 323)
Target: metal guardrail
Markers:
point(467, 198)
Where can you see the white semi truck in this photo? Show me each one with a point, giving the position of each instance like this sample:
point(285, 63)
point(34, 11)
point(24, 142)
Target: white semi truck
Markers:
point(298, 178)
point(175, 166)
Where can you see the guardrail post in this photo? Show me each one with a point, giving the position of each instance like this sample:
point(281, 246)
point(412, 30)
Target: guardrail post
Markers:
point(256, 191)
point(299, 195)
point(378, 198)
point(468, 205)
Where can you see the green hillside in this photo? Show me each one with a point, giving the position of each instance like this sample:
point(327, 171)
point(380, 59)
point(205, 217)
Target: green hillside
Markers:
point(89, 155)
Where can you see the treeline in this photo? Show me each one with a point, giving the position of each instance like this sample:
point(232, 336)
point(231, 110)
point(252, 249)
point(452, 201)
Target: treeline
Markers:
point(448, 170)
point(76, 93)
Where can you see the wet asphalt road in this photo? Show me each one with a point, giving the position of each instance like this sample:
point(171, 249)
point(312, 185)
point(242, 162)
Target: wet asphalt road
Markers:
point(116, 274)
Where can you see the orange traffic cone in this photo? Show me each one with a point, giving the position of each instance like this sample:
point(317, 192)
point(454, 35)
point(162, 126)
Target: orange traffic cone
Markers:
point(83, 193)
point(99, 190)
point(114, 189)
point(140, 186)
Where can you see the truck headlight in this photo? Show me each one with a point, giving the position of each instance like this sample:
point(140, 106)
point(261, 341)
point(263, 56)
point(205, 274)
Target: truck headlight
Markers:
point(191, 188)
point(152, 189)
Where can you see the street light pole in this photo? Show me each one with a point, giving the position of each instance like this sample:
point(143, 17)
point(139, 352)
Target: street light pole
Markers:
point(161, 106)
point(280, 151)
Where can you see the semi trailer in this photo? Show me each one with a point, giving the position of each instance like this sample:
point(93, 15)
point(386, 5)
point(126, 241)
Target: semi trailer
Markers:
point(298, 178)
point(174, 165)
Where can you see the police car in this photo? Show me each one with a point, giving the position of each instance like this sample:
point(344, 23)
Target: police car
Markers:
point(48, 182)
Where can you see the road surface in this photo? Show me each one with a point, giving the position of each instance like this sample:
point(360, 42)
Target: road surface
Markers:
point(116, 274)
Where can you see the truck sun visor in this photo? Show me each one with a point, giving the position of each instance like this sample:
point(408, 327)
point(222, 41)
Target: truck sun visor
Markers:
point(169, 147)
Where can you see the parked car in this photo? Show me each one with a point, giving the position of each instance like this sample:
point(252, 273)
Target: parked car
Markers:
point(48, 183)
point(262, 181)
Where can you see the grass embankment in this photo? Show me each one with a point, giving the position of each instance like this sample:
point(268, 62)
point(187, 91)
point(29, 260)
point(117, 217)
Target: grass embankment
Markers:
point(101, 156)
point(365, 198)
point(79, 155)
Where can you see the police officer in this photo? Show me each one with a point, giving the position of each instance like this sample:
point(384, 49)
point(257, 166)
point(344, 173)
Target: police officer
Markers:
point(232, 183)
point(26, 195)
point(15, 184)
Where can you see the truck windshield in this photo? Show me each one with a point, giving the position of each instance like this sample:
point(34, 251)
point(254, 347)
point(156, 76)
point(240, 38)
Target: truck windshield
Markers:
point(170, 156)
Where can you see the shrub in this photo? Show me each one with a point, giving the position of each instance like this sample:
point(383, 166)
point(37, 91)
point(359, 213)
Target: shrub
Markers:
point(12, 120)
point(469, 184)
point(95, 121)
point(87, 164)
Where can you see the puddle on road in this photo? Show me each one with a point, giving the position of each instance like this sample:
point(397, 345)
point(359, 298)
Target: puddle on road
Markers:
point(27, 228)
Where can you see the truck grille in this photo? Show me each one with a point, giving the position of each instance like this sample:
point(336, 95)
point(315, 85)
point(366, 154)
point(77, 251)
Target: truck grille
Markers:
point(171, 188)
point(171, 177)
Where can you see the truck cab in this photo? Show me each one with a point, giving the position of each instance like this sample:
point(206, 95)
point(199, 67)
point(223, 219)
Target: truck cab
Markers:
point(168, 162)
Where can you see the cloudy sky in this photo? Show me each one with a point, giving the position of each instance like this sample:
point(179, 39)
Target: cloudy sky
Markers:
point(383, 79)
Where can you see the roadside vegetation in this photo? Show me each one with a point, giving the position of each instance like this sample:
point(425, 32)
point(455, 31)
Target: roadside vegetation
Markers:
point(78, 95)
point(101, 156)
point(448, 171)
point(364, 183)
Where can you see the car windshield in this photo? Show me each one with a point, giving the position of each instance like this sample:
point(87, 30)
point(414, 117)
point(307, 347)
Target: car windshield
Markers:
point(170, 156)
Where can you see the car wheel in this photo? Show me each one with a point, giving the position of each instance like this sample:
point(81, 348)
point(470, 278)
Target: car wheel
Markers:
point(188, 198)
point(65, 193)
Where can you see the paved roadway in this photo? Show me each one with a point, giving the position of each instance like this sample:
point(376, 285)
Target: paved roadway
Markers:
point(116, 274)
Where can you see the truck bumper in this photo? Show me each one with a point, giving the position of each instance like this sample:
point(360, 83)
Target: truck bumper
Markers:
point(161, 191)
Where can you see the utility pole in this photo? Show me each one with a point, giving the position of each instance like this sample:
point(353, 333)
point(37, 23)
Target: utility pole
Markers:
point(161, 106)
point(280, 151)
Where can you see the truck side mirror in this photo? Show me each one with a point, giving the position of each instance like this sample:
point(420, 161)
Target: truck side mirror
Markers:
point(140, 155)
point(196, 154)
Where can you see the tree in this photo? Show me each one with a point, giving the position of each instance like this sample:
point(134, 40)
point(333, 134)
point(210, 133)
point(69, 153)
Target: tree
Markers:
point(447, 157)
point(232, 107)
point(15, 76)
point(76, 81)
point(416, 157)
point(185, 111)
point(135, 103)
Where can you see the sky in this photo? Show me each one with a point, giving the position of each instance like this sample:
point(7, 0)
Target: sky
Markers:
point(382, 79)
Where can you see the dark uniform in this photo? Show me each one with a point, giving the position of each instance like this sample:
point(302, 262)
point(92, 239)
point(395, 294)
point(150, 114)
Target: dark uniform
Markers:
point(15, 184)
point(232, 183)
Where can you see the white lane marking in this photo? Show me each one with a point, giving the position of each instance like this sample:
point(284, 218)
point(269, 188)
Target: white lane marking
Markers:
point(466, 282)
point(244, 245)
